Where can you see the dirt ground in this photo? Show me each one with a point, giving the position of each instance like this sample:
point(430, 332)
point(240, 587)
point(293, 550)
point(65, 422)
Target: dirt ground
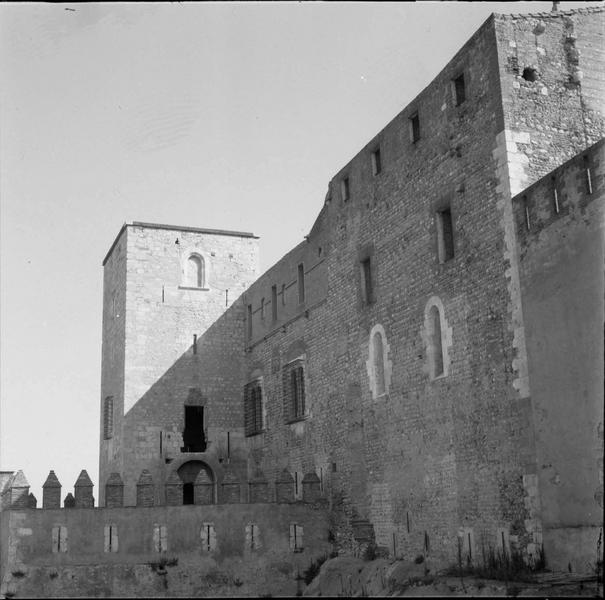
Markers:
point(353, 577)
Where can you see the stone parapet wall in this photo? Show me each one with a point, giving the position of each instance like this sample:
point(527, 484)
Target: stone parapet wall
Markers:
point(183, 565)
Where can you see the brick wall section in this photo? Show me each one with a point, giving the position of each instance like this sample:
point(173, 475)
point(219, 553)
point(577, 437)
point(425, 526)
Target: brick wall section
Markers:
point(561, 266)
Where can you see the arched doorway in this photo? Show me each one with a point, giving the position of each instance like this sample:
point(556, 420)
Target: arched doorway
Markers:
point(188, 472)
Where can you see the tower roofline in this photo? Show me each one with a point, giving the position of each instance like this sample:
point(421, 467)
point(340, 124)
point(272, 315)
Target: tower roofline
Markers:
point(244, 234)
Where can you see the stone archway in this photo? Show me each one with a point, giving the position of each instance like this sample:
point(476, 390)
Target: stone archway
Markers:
point(187, 473)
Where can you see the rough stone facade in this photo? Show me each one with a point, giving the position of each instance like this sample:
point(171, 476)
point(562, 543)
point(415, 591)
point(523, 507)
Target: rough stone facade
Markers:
point(428, 362)
point(401, 315)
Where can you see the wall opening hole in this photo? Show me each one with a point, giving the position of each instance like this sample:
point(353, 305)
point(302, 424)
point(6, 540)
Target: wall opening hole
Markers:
point(530, 74)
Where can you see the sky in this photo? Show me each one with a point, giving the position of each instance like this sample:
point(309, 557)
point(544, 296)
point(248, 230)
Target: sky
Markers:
point(216, 115)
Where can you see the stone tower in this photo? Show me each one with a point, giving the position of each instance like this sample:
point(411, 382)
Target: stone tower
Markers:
point(163, 288)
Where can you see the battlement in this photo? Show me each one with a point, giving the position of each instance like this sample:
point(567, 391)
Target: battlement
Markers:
point(563, 193)
point(286, 489)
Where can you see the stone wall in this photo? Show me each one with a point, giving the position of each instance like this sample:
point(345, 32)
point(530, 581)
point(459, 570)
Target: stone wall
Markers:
point(162, 369)
point(161, 551)
point(428, 458)
point(560, 224)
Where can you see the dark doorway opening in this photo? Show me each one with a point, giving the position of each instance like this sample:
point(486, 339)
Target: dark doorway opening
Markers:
point(194, 439)
point(188, 493)
point(188, 473)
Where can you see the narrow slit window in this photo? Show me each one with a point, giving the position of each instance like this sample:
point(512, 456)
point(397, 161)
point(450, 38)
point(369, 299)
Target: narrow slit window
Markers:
point(436, 342)
point(249, 321)
point(59, 539)
point(344, 189)
point(253, 536)
point(555, 197)
point(274, 303)
point(111, 538)
point(262, 308)
point(208, 537)
point(459, 89)
point(367, 289)
point(526, 208)
point(588, 176)
point(445, 235)
point(376, 162)
point(301, 283)
point(283, 294)
point(379, 364)
point(414, 128)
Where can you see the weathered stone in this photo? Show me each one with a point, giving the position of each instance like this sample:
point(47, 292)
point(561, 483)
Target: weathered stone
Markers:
point(51, 492)
point(145, 489)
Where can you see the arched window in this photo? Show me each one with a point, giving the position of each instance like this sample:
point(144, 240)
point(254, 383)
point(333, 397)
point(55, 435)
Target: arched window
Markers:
point(195, 271)
point(378, 364)
point(438, 338)
point(436, 344)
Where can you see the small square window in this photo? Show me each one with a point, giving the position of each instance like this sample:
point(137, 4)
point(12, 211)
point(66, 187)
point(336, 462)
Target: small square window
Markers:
point(414, 128)
point(344, 189)
point(376, 162)
point(459, 89)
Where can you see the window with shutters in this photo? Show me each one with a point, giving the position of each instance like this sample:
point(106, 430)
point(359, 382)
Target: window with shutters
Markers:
point(294, 390)
point(111, 538)
point(208, 537)
point(296, 538)
point(108, 418)
point(59, 539)
point(160, 538)
point(253, 407)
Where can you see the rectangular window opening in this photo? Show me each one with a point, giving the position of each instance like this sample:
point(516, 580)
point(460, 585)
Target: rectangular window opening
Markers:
point(194, 439)
point(301, 283)
point(376, 162)
point(344, 189)
point(459, 90)
point(414, 128)
point(366, 281)
point(445, 235)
